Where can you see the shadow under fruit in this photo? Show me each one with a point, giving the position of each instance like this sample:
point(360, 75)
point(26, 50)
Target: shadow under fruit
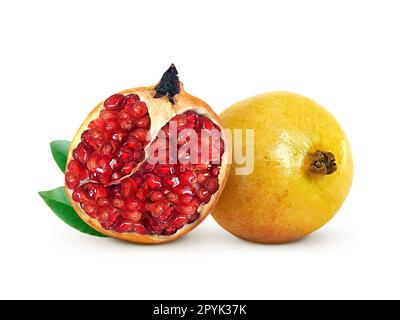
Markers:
point(303, 169)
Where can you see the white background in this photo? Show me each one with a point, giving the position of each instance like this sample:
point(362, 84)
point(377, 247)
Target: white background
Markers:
point(59, 58)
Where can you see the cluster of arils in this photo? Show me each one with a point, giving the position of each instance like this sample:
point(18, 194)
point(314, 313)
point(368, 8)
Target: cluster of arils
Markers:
point(114, 182)
point(113, 145)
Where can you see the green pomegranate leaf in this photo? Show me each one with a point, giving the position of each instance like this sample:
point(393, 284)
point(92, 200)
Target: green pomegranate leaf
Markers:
point(59, 203)
point(59, 150)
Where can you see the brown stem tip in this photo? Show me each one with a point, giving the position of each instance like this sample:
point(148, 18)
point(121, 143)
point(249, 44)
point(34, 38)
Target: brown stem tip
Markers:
point(323, 163)
point(169, 84)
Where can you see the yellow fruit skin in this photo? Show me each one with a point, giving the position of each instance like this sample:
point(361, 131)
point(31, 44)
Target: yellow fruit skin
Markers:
point(282, 200)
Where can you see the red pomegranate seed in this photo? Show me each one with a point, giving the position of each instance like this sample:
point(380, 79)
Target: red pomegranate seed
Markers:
point(111, 126)
point(107, 115)
point(92, 162)
point(188, 210)
point(169, 231)
point(126, 124)
point(134, 216)
point(114, 102)
point(154, 226)
point(203, 194)
point(212, 184)
point(143, 122)
point(172, 197)
point(141, 195)
point(124, 226)
point(138, 156)
point(215, 171)
point(115, 190)
point(140, 134)
point(186, 199)
point(104, 215)
point(107, 149)
point(140, 228)
point(116, 176)
point(187, 178)
point(128, 168)
point(115, 144)
point(134, 205)
point(133, 143)
point(194, 217)
point(101, 192)
point(71, 180)
point(160, 208)
point(90, 209)
point(103, 202)
point(74, 166)
point(165, 190)
point(118, 203)
point(80, 195)
point(125, 154)
point(179, 222)
point(102, 175)
point(185, 167)
point(202, 176)
point(103, 162)
point(109, 224)
point(77, 169)
point(153, 181)
point(116, 164)
point(95, 191)
point(96, 134)
point(156, 196)
point(201, 166)
point(131, 99)
point(138, 178)
point(147, 167)
point(85, 137)
point(125, 115)
point(163, 170)
point(180, 190)
point(120, 136)
point(128, 188)
point(139, 109)
point(171, 181)
point(97, 124)
point(81, 153)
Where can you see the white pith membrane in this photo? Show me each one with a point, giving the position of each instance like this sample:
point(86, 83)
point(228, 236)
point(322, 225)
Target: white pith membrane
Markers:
point(159, 217)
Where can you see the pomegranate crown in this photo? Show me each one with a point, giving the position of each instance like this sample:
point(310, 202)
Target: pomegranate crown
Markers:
point(169, 84)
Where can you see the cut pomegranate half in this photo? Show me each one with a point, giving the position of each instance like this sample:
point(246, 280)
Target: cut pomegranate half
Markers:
point(147, 164)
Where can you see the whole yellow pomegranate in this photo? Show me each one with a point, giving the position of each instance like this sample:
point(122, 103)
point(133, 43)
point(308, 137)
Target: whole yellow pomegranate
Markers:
point(303, 169)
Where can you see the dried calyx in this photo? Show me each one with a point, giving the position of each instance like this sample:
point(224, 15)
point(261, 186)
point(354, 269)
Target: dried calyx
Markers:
point(323, 163)
point(169, 84)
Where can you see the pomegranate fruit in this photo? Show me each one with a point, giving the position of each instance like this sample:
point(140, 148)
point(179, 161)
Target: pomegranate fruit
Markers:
point(147, 164)
point(303, 169)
